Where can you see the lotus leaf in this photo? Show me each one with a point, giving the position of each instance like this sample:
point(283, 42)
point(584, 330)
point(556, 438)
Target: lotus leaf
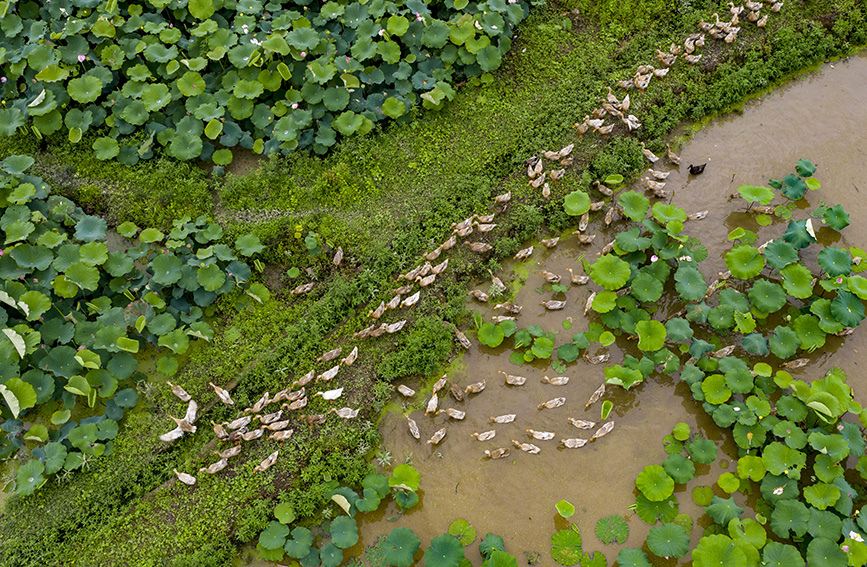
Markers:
point(566, 547)
point(821, 308)
point(576, 203)
point(405, 477)
point(612, 529)
point(634, 205)
point(543, 347)
point(834, 446)
point(776, 554)
point(491, 335)
point(751, 467)
point(84, 89)
point(462, 530)
point(568, 352)
point(824, 552)
point(651, 335)
point(744, 262)
point(784, 342)
point(822, 495)
point(628, 557)
point(790, 516)
point(805, 168)
point(299, 545)
point(766, 296)
point(668, 540)
point(444, 551)
point(702, 451)
point(835, 261)
point(729, 482)
point(400, 546)
point(211, 278)
point(29, 477)
point(646, 288)
point(824, 524)
point(631, 240)
point(780, 459)
point(678, 330)
point(621, 376)
point(344, 532)
point(565, 509)
point(491, 544)
point(498, 558)
point(679, 468)
point(799, 234)
point(793, 187)
point(167, 269)
point(604, 301)
point(285, 513)
point(809, 333)
point(651, 512)
point(330, 555)
point(665, 213)
point(723, 511)
point(702, 495)
point(655, 483)
point(756, 194)
point(718, 551)
point(847, 309)
point(274, 536)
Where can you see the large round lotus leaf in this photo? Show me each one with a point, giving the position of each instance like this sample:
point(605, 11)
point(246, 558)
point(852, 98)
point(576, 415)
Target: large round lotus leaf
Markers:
point(646, 288)
point(784, 342)
point(90, 228)
point(702, 451)
point(793, 187)
point(780, 254)
point(404, 476)
point(211, 277)
point(790, 516)
point(749, 531)
point(444, 551)
point(344, 532)
point(751, 467)
point(678, 329)
point(29, 256)
point(126, 398)
point(655, 483)
point(718, 551)
point(491, 335)
point(797, 281)
point(776, 554)
point(29, 477)
point(836, 217)
point(728, 482)
point(82, 436)
point(330, 555)
point(576, 203)
point(756, 194)
point(284, 512)
point(766, 296)
point(824, 524)
point(462, 530)
point(668, 540)
point(490, 544)
point(690, 283)
point(847, 309)
point(858, 286)
point(809, 334)
point(566, 547)
point(299, 545)
point(651, 335)
point(834, 446)
point(612, 529)
point(400, 547)
point(629, 557)
point(634, 205)
point(543, 347)
point(604, 302)
point(835, 261)
point(780, 459)
point(799, 234)
point(724, 510)
point(665, 213)
point(84, 89)
point(679, 468)
point(744, 262)
point(274, 536)
point(715, 389)
point(167, 269)
point(821, 495)
point(824, 552)
point(370, 502)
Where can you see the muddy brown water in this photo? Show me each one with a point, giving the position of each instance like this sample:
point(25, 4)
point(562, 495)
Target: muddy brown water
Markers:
point(820, 116)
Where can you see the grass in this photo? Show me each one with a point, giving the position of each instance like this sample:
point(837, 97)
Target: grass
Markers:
point(384, 198)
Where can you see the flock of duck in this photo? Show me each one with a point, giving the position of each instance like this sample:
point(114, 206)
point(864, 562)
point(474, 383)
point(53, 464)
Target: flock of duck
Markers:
point(459, 395)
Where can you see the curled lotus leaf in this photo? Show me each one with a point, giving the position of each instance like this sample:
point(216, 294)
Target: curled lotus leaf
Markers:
point(858, 286)
point(655, 483)
point(665, 213)
point(668, 540)
point(491, 544)
point(793, 187)
point(405, 477)
point(565, 509)
point(805, 168)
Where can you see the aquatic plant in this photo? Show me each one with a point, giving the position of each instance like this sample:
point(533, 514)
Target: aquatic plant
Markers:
point(462, 530)
point(565, 509)
point(612, 529)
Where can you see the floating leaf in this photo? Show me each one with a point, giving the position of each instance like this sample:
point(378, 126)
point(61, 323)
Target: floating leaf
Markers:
point(836, 217)
point(744, 262)
point(756, 194)
point(668, 540)
point(723, 510)
point(444, 551)
point(776, 554)
point(400, 546)
point(274, 536)
point(835, 261)
point(823, 552)
point(702, 451)
point(462, 530)
point(805, 168)
point(679, 468)
point(565, 509)
point(651, 512)
point(655, 483)
point(576, 203)
point(566, 547)
point(632, 558)
point(344, 532)
point(612, 529)
point(634, 205)
point(766, 296)
point(491, 335)
point(798, 234)
point(651, 335)
point(29, 477)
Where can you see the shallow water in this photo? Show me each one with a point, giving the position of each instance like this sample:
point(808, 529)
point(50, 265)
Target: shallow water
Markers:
point(820, 116)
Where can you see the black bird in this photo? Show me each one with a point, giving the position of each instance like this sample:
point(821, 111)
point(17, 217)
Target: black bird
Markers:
point(696, 169)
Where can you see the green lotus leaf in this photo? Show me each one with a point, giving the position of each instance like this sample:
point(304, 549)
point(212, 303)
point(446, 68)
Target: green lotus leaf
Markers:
point(744, 262)
point(404, 476)
point(655, 483)
point(824, 552)
point(18, 395)
point(821, 308)
point(29, 477)
point(784, 342)
point(90, 228)
point(668, 540)
point(702, 495)
point(634, 205)
point(779, 254)
point(821, 495)
point(756, 194)
point(799, 234)
point(776, 554)
point(835, 261)
point(491, 335)
point(631, 240)
point(192, 84)
point(19, 230)
point(836, 217)
point(678, 330)
point(543, 347)
point(665, 213)
point(612, 529)
point(36, 304)
point(766, 296)
point(248, 90)
point(274, 536)
point(444, 551)
point(604, 302)
point(576, 203)
point(299, 545)
point(751, 467)
point(400, 546)
point(748, 531)
point(42, 384)
point(791, 408)
point(646, 288)
point(715, 389)
point(490, 544)
point(824, 524)
point(624, 377)
point(629, 557)
point(728, 482)
point(85, 277)
point(348, 123)
point(178, 341)
point(782, 460)
point(211, 277)
point(809, 334)
point(847, 309)
point(566, 547)
point(462, 530)
point(718, 551)
point(565, 509)
point(790, 516)
point(568, 352)
point(500, 558)
point(167, 269)
point(610, 272)
point(84, 89)
point(793, 187)
point(679, 468)
point(805, 168)
point(344, 532)
point(797, 281)
point(702, 451)
point(723, 510)
point(651, 512)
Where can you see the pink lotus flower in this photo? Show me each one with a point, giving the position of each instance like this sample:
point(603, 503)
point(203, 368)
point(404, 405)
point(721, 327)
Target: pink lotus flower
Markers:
point(82, 57)
point(654, 258)
point(2, 80)
point(303, 54)
point(294, 105)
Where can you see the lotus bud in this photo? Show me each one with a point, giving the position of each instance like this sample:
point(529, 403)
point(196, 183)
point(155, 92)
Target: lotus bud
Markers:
point(654, 258)
point(82, 57)
point(845, 549)
point(303, 54)
point(294, 105)
point(2, 80)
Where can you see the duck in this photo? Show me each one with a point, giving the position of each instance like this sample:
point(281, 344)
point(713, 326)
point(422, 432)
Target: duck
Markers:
point(652, 157)
point(632, 122)
point(589, 303)
point(524, 254)
point(185, 478)
point(609, 215)
point(405, 391)
point(315, 418)
point(550, 277)
point(526, 447)
point(304, 380)
point(330, 395)
point(763, 21)
point(626, 84)
point(440, 268)
point(660, 175)
point(654, 185)
point(260, 404)
point(462, 338)
point(411, 300)
point(595, 396)
point(500, 453)
point(556, 381)
point(329, 374)
point(496, 282)
point(735, 10)
point(643, 81)
point(600, 113)
point(440, 384)
point(288, 396)
point(553, 403)
point(395, 327)
point(338, 257)
point(479, 247)
point(432, 405)
point(699, 41)
point(565, 150)
point(485, 218)
point(550, 242)
point(577, 279)
point(675, 49)
point(239, 423)
point(795, 364)
point(270, 417)
point(582, 127)
point(536, 183)
point(179, 392)
point(692, 59)
point(732, 35)
point(484, 229)
point(278, 425)
point(675, 159)
point(603, 431)
point(215, 467)
point(667, 59)
point(475, 388)
point(266, 464)
point(606, 129)
point(584, 221)
point(411, 275)
point(553, 305)
point(541, 435)
point(453, 413)
point(345, 413)
point(413, 427)
point(172, 435)
point(599, 359)
point(236, 436)
point(253, 435)
point(394, 303)
point(501, 419)
point(186, 424)
point(330, 355)
point(378, 312)
point(558, 174)
point(438, 436)
point(513, 380)
point(302, 289)
point(509, 306)
point(661, 73)
point(426, 281)
point(485, 435)
point(281, 435)
point(644, 69)
point(701, 215)
point(350, 359)
point(574, 443)
point(229, 453)
point(753, 16)
point(501, 318)
point(776, 7)
point(504, 198)
point(595, 123)
point(219, 430)
point(449, 244)
point(433, 255)
point(463, 224)
point(582, 423)
point(222, 394)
